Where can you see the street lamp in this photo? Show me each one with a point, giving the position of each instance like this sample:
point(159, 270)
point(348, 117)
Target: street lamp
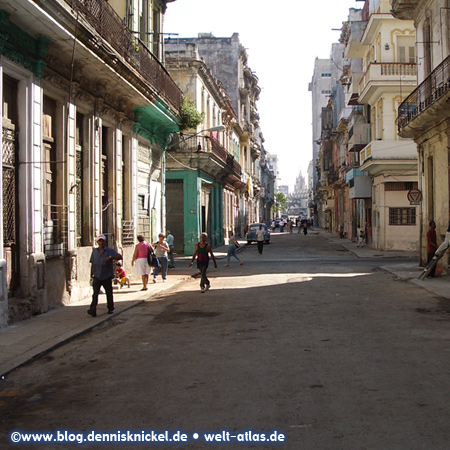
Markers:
point(217, 128)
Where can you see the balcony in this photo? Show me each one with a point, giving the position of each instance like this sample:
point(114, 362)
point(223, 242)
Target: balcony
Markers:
point(380, 78)
point(427, 105)
point(104, 21)
point(385, 155)
point(359, 136)
point(353, 90)
point(405, 9)
point(359, 185)
point(207, 154)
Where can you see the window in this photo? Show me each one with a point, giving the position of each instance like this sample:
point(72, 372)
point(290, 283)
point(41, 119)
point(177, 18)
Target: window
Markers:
point(54, 209)
point(406, 49)
point(401, 186)
point(402, 216)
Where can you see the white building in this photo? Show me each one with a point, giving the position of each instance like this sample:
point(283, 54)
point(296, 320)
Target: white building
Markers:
point(83, 128)
point(387, 52)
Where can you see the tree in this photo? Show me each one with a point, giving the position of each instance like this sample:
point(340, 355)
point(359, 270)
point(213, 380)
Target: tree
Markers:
point(280, 203)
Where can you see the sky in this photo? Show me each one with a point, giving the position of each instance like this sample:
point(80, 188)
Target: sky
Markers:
point(282, 41)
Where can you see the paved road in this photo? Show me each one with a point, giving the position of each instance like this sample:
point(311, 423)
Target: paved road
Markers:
point(306, 339)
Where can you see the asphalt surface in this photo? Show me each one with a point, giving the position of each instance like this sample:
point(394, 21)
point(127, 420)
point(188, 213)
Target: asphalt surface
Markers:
point(309, 340)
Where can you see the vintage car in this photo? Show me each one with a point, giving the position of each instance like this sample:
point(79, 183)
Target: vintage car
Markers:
point(251, 234)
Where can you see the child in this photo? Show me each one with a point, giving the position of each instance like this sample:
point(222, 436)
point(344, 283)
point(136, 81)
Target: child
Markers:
point(361, 238)
point(121, 275)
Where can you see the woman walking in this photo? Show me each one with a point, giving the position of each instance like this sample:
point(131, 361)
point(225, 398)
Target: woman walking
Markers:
point(161, 251)
point(142, 267)
point(232, 247)
point(202, 252)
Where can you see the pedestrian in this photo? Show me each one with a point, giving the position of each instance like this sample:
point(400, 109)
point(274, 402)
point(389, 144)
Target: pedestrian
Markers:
point(161, 251)
point(121, 276)
point(140, 262)
point(273, 225)
point(260, 238)
point(361, 236)
point(446, 244)
point(291, 225)
point(202, 252)
point(281, 226)
point(170, 240)
point(102, 274)
point(431, 246)
point(233, 245)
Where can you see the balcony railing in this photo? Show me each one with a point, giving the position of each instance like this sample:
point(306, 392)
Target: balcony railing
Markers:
point(108, 24)
point(387, 72)
point(212, 145)
point(436, 85)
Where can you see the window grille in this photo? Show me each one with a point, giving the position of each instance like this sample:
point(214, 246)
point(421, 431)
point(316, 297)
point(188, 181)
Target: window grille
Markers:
point(79, 197)
point(127, 233)
point(401, 186)
point(55, 230)
point(402, 216)
point(9, 186)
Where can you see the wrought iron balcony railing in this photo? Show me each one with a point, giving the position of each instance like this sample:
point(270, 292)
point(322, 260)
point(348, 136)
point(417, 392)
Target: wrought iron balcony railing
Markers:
point(108, 24)
point(435, 86)
point(210, 144)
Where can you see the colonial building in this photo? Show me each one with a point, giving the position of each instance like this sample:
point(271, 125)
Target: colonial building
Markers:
point(386, 49)
point(203, 179)
point(359, 183)
point(325, 77)
point(228, 61)
point(266, 177)
point(87, 111)
point(425, 115)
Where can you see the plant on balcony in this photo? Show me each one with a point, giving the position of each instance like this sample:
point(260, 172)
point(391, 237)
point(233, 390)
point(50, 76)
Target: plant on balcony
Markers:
point(190, 117)
point(135, 45)
point(255, 180)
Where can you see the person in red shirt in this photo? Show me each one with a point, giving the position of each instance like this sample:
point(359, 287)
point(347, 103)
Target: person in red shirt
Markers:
point(121, 275)
point(431, 245)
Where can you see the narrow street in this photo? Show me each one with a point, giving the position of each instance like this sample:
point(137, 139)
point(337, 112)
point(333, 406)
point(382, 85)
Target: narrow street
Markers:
point(306, 340)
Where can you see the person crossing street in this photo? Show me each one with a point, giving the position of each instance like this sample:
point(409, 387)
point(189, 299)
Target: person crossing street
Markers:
point(202, 252)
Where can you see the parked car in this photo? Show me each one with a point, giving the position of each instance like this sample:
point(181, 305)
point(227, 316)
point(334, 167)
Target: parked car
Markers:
point(251, 234)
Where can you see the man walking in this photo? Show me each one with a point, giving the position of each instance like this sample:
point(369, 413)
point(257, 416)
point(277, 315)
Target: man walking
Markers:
point(202, 252)
point(260, 238)
point(102, 274)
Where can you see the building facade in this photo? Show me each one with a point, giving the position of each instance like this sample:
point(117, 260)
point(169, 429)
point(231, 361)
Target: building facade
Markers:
point(366, 169)
point(203, 178)
point(425, 116)
point(325, 78)
point(387, 51)
point(228, 61)
point(84, 125)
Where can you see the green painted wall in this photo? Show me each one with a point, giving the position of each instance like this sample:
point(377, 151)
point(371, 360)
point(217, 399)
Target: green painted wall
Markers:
point(192, 185)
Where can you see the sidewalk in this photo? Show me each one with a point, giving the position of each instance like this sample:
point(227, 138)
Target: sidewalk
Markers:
point(23, 341)
point(407, 271)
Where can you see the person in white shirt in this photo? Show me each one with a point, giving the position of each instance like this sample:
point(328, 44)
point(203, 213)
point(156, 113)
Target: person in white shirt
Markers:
point(260, 238)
